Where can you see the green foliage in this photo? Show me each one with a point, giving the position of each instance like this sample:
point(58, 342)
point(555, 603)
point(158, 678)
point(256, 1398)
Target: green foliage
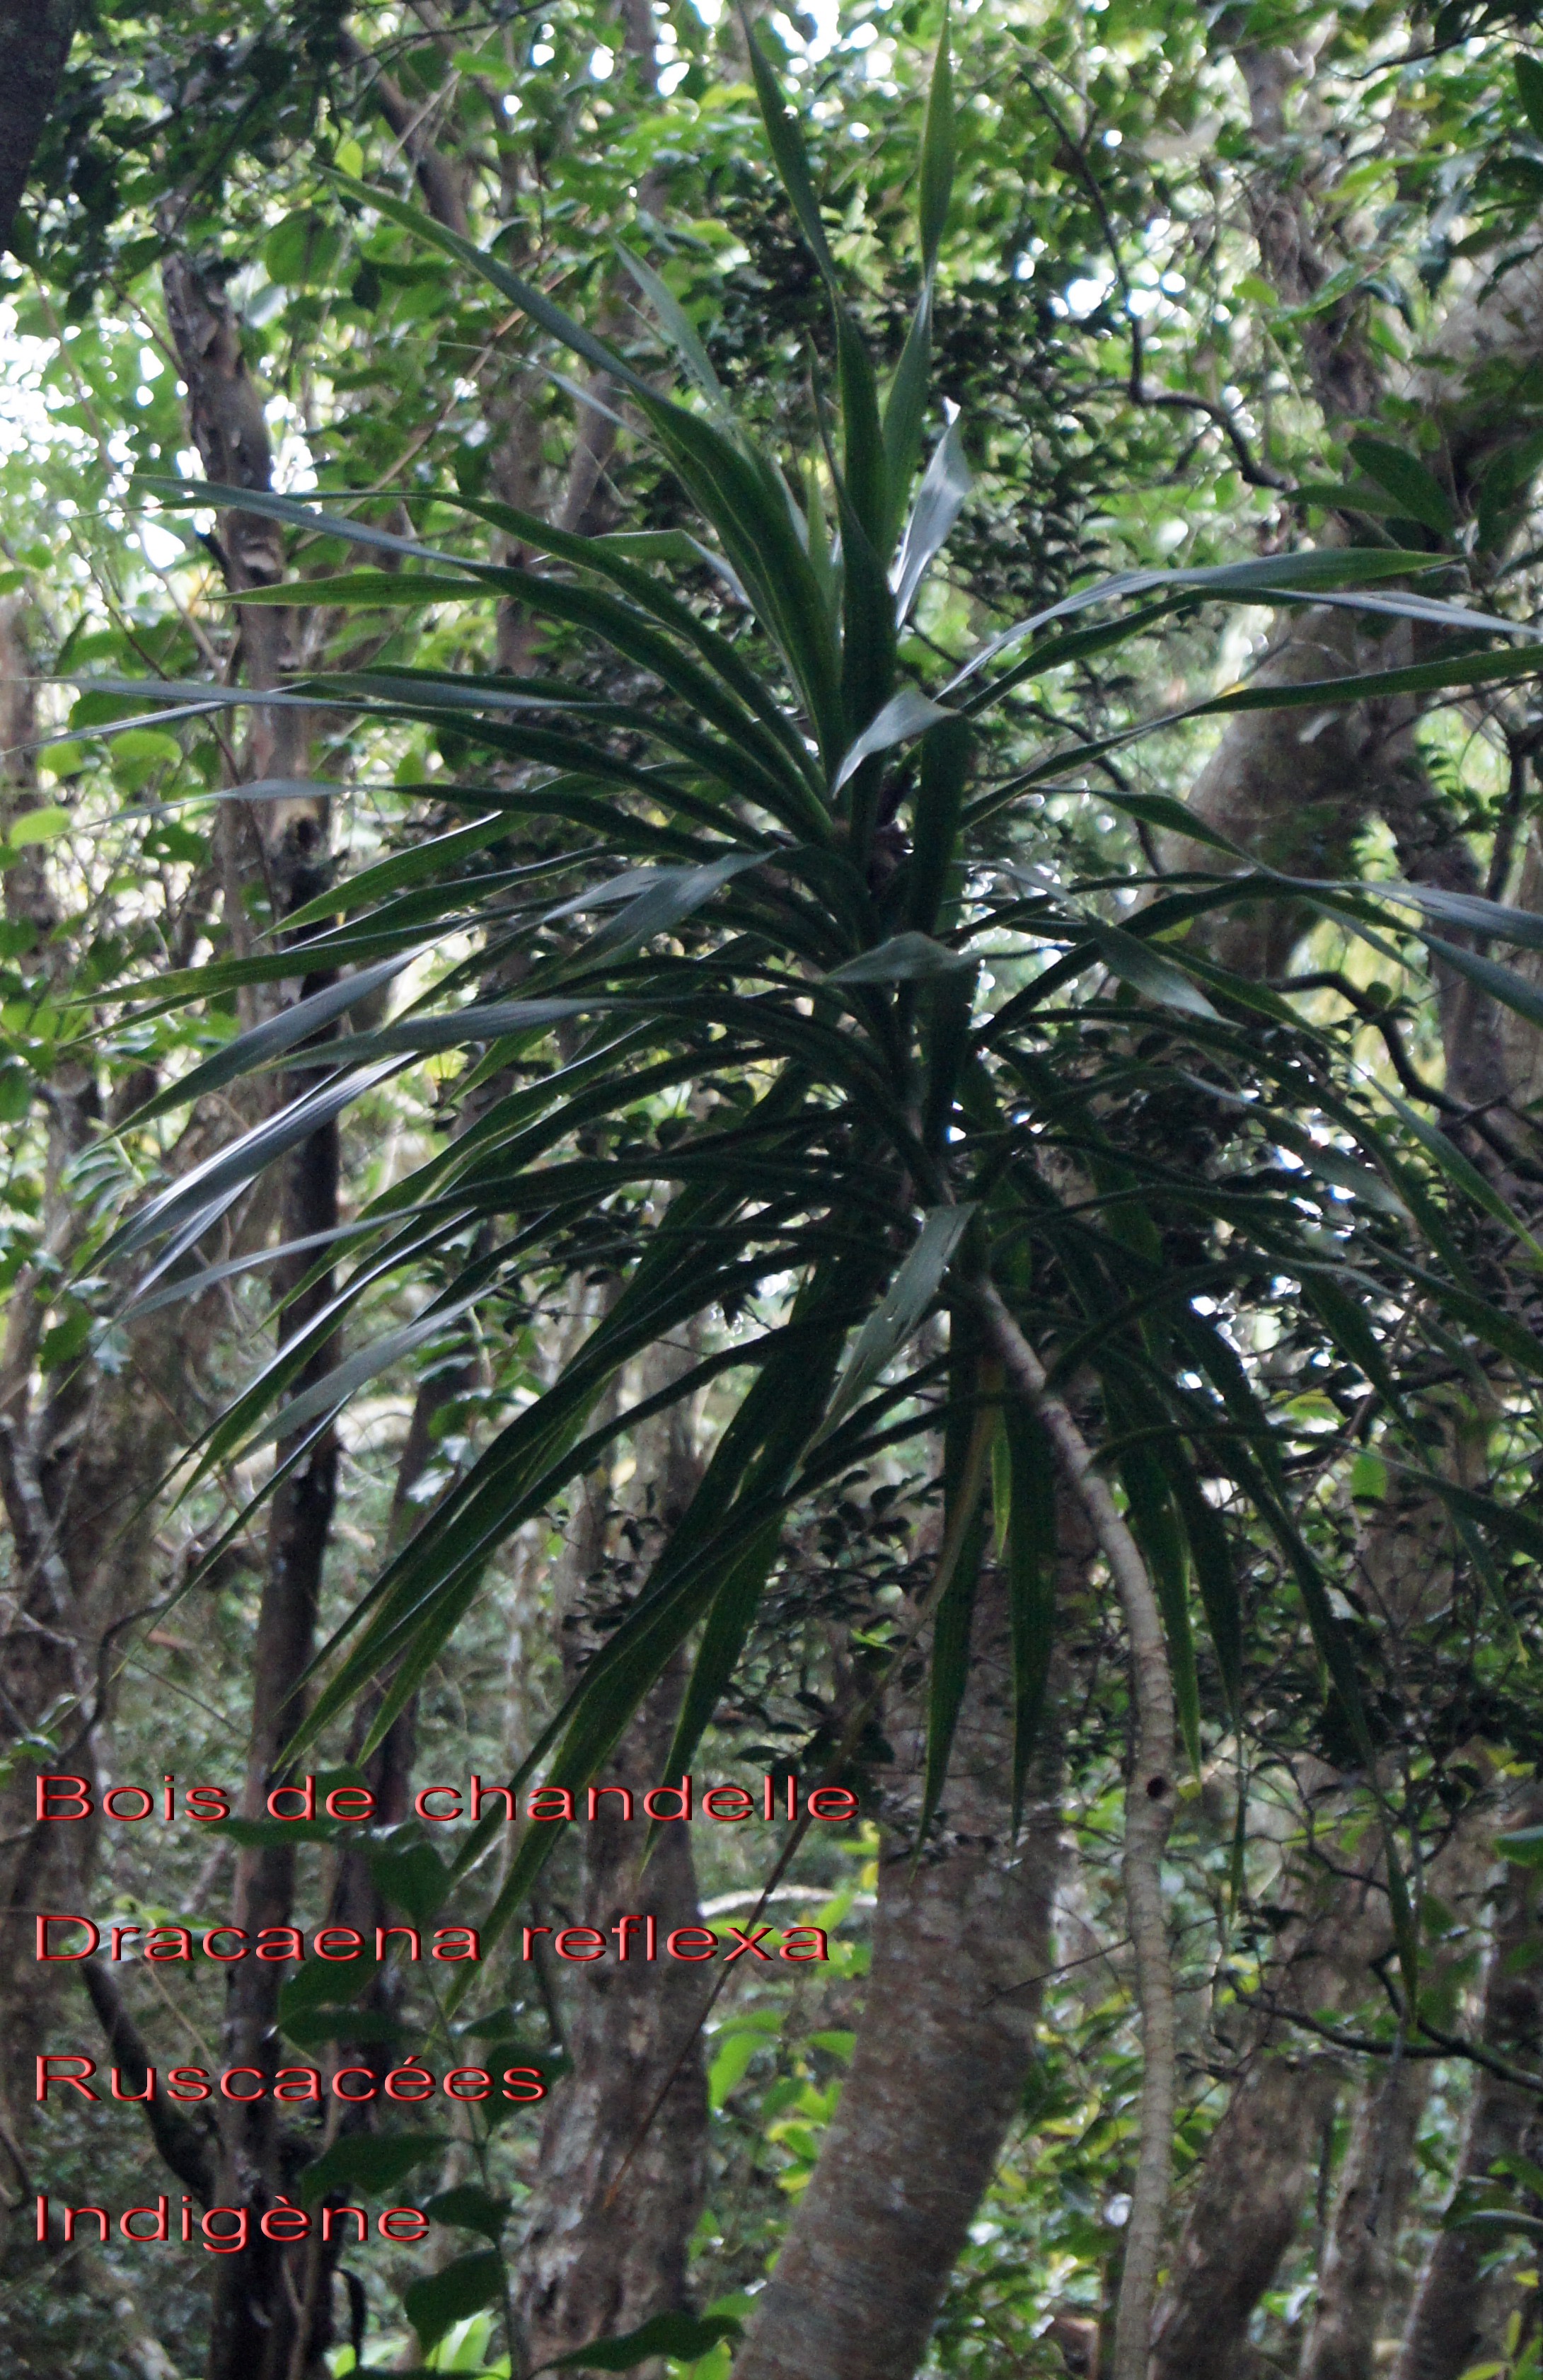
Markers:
point(436, 2303)
point(469, 2208)
point(778, 762)
point(371, 2163)
point(757, 950)
point(685, 2336)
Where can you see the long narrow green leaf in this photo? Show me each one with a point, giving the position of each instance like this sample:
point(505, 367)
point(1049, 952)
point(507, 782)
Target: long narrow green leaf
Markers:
point(1511, 1523)
point(868, 652)
point(785, 141)
point(749, 1474)
point(864, 474)
point(935, 182)
point(670, 1283)
point(946, 752)
point(738, 494)
point(429, 861)
point(777, 1421)
point(616, 1683)
point(902, 716)
point(1365, 685)
point(939, 502)
point(682, 334)
point(251, 1051)
point(231, 1169)
point(1489, 1322)
point(372, 591)
point(1467, 1178)
point(404, 1615)
point(591, 553)
point(1150, 972)
point(905, 408)
point(1501, 983)
point(946, 1012)
point(649, 596)
point(904, 412)
point(1215, 1571)
point(730, 1622)
point(898, 1315)
point(747, 507)
point(1523, 926)
point(513, 286)
point(1292, 577)
point(1349, 1325)
point(335, 1388)
point(864, 482)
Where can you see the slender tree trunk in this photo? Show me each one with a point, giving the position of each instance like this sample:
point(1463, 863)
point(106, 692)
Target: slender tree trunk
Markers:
point(1255, 2181)
point(1253, 2186)
point(1296, 792)
point(274, 852)
point(1458, 2313)
point(35, 36)
point(46, 1666)
point(1359, 2274)
point(80, 1452)
point(268, 2310)
point(961, 1943)
point(1244, 2217)
point(1343, 366)
point(1149, 1814)
point(1258, 2165)
point(254, 2312)
point(1292, 787)
point(265, 2297)
point(622, 2169)
point(622, 2172)
point(437, 177)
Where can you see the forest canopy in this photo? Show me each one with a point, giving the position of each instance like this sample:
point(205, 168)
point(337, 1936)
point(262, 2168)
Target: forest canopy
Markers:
point(772, 1205)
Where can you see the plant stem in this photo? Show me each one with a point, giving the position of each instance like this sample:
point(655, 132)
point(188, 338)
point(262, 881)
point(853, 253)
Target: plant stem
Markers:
point(1149, 1810)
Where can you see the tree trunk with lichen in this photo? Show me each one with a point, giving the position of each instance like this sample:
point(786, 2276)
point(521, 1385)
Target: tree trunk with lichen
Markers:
point(621, 2175)
point(35, 37)
point(269, 2315)
point(81, 1448)
point(1294, 788)
point(961, 1944)
point(1247, 2202)
point(1359, 2274)
point(1458, 2315)
point(621, 2172)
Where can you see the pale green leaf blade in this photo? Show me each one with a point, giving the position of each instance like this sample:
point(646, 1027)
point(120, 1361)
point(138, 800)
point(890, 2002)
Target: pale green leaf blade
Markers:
point(899, 1313)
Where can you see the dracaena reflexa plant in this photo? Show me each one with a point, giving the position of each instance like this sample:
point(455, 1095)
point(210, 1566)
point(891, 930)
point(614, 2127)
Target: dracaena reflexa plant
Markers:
point(794, 861)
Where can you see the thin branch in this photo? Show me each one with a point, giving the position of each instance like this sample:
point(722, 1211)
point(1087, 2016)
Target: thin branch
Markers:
point(1441, 2044)
point(1520, 749)
point(184, 2146)
point(1256, 474)
point(436, 175)
point(1372, 1012)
